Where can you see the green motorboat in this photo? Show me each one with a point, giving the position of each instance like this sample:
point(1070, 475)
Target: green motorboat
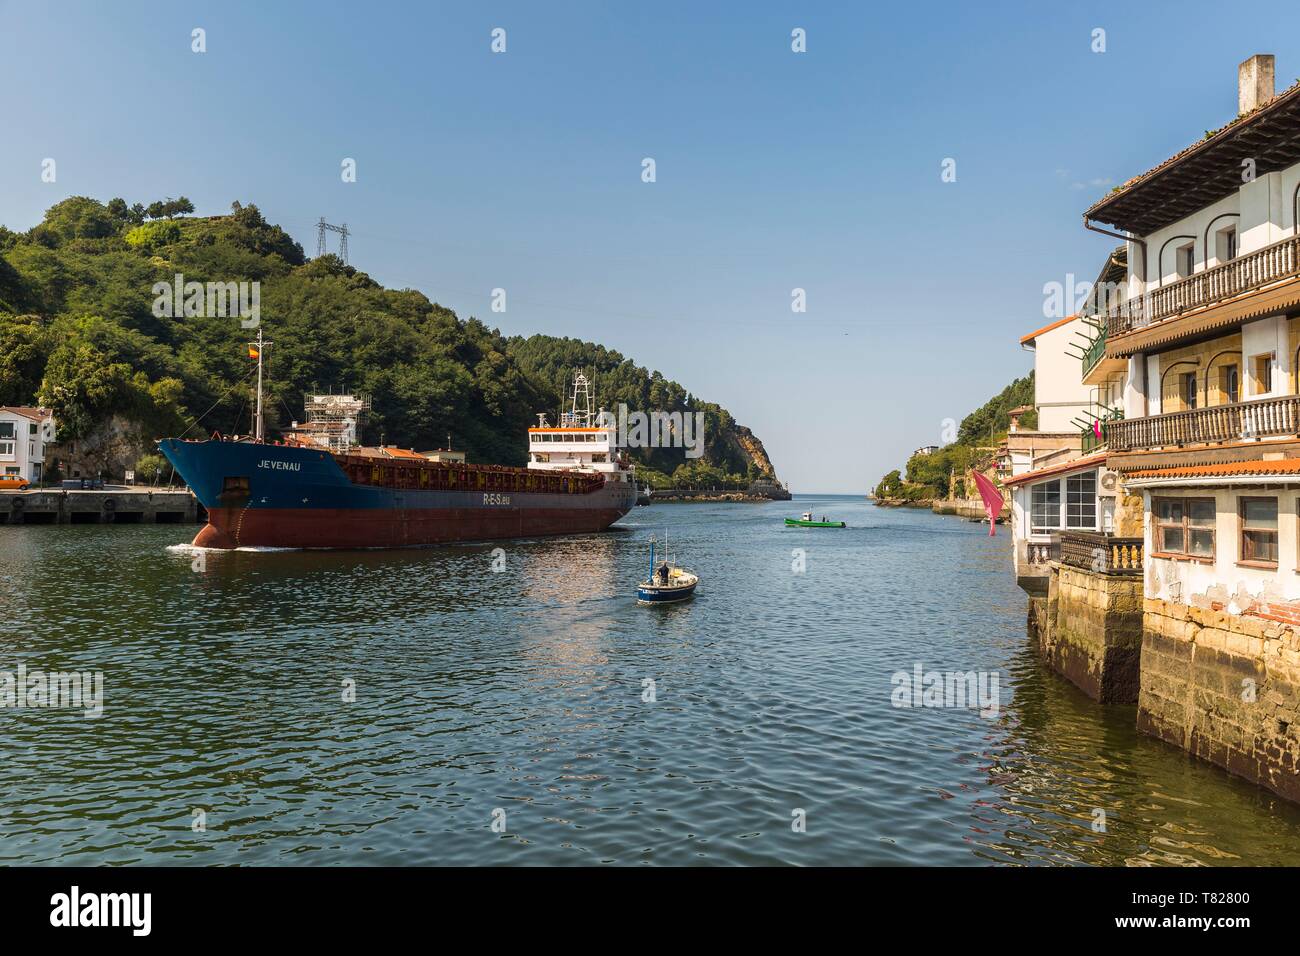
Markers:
point(806, 520)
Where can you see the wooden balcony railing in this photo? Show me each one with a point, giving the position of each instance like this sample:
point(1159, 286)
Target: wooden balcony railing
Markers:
point(1101, 553)
point(1261, 418)
point(1246, 273)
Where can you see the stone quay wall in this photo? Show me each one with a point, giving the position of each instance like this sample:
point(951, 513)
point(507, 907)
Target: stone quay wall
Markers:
point(1226, 688)
point(1089, 630)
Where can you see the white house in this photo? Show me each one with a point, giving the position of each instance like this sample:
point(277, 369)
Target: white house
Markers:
point(1054, 485)
point(1210, 334)
point(24, 434)
point(1059, 396)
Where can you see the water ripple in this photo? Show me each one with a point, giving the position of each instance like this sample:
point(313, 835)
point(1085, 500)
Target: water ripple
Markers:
point(518, 697)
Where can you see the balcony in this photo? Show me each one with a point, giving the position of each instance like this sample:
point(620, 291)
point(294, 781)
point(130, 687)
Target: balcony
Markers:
point(1094, 353)
point(1101, 553)
point(1033, 561)
point(1097, 368)
point(1249, 272)
point(1261, 418)
point(1090, 441)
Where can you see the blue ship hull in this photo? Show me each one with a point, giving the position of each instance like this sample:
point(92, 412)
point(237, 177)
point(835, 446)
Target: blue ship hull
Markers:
point(260, 495)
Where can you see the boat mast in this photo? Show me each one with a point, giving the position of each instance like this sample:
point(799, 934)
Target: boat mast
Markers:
point(259, 428)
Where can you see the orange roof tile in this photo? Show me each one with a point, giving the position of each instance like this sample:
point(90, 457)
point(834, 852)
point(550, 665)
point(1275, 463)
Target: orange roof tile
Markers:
point(1281, 466)
point(1046, 328)
point(1075, 464)
point(393, 452)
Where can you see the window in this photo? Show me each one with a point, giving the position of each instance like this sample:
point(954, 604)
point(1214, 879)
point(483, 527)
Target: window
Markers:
point(1262, 365)
point(1259, 530)
point(1185, 526)
point(6, 449)
point(1186, 260)
point(1045, 507)
point(6, 430)
point(1081, 501)
point(1230, 384)
point(1226, 245)
point(1189, 390)
point(31, 429)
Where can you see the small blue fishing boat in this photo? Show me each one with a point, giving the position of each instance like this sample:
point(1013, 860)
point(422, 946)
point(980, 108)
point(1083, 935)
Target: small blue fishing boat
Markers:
point(667, 582)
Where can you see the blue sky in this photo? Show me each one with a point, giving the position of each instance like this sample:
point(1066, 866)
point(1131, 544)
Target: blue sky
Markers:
point(775, 170)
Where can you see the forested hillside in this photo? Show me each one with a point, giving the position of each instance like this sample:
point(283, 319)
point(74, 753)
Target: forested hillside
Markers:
point(79, 333)
point(731, 451)
point(926, 476)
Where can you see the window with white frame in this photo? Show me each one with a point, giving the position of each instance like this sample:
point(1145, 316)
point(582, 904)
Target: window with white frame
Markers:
point(1045, 507)
point(1069, 502)
point(1081, 501)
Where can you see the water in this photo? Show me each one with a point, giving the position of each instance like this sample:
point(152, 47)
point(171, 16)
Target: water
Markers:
point(521, 692)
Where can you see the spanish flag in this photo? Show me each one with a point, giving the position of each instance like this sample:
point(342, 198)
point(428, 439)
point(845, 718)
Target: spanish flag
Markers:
point(252, 352)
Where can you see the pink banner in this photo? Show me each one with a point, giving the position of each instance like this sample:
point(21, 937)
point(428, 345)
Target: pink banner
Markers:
point(992, 498)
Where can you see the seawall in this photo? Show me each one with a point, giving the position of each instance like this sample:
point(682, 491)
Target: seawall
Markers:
point(1089, 630)
point(110, 506)
point(1225, 688)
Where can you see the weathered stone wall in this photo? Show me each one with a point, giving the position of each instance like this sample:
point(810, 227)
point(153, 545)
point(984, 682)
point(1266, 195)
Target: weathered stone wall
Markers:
point(1129, 518)
point(1224, 688)
point(1089, 629)
point(1039, 623)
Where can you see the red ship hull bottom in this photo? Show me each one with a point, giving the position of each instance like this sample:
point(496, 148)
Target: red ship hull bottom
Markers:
point(229, 528)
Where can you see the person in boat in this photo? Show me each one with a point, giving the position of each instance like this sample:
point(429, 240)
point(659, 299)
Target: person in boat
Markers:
point(662, 573)
point(807, 516)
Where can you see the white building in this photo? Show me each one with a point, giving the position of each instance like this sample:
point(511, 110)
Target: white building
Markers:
point(1060, 398)
point(25, 432)
point(1208, 337)
point(1057, 481)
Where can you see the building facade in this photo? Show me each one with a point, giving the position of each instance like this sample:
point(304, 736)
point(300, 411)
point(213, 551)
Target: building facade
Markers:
point(1199, 359)
point(1196, 362)
point(25, 434)
point(1057, 479)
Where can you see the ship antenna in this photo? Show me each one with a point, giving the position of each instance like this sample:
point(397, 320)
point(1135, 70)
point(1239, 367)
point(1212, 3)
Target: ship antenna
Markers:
point(259, 428)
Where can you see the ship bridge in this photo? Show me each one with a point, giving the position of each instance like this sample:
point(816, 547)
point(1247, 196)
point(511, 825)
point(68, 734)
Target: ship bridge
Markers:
point(582, 441)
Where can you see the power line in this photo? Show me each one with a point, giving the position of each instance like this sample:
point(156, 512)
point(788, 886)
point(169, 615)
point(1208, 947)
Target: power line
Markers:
point(321, 228)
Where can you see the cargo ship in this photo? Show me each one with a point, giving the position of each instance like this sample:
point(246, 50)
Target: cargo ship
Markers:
point(300, 493)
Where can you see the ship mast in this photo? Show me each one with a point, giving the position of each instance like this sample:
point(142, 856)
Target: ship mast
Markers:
point(581, 392)
point(259, 428)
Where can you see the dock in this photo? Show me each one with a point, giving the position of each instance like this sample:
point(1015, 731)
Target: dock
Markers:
point(111, 505)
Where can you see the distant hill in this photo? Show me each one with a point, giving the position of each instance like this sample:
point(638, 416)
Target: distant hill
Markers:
point(78, 333)
point(926, 476)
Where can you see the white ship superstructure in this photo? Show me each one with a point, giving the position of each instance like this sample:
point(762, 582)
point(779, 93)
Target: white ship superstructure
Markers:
point(581, 442)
